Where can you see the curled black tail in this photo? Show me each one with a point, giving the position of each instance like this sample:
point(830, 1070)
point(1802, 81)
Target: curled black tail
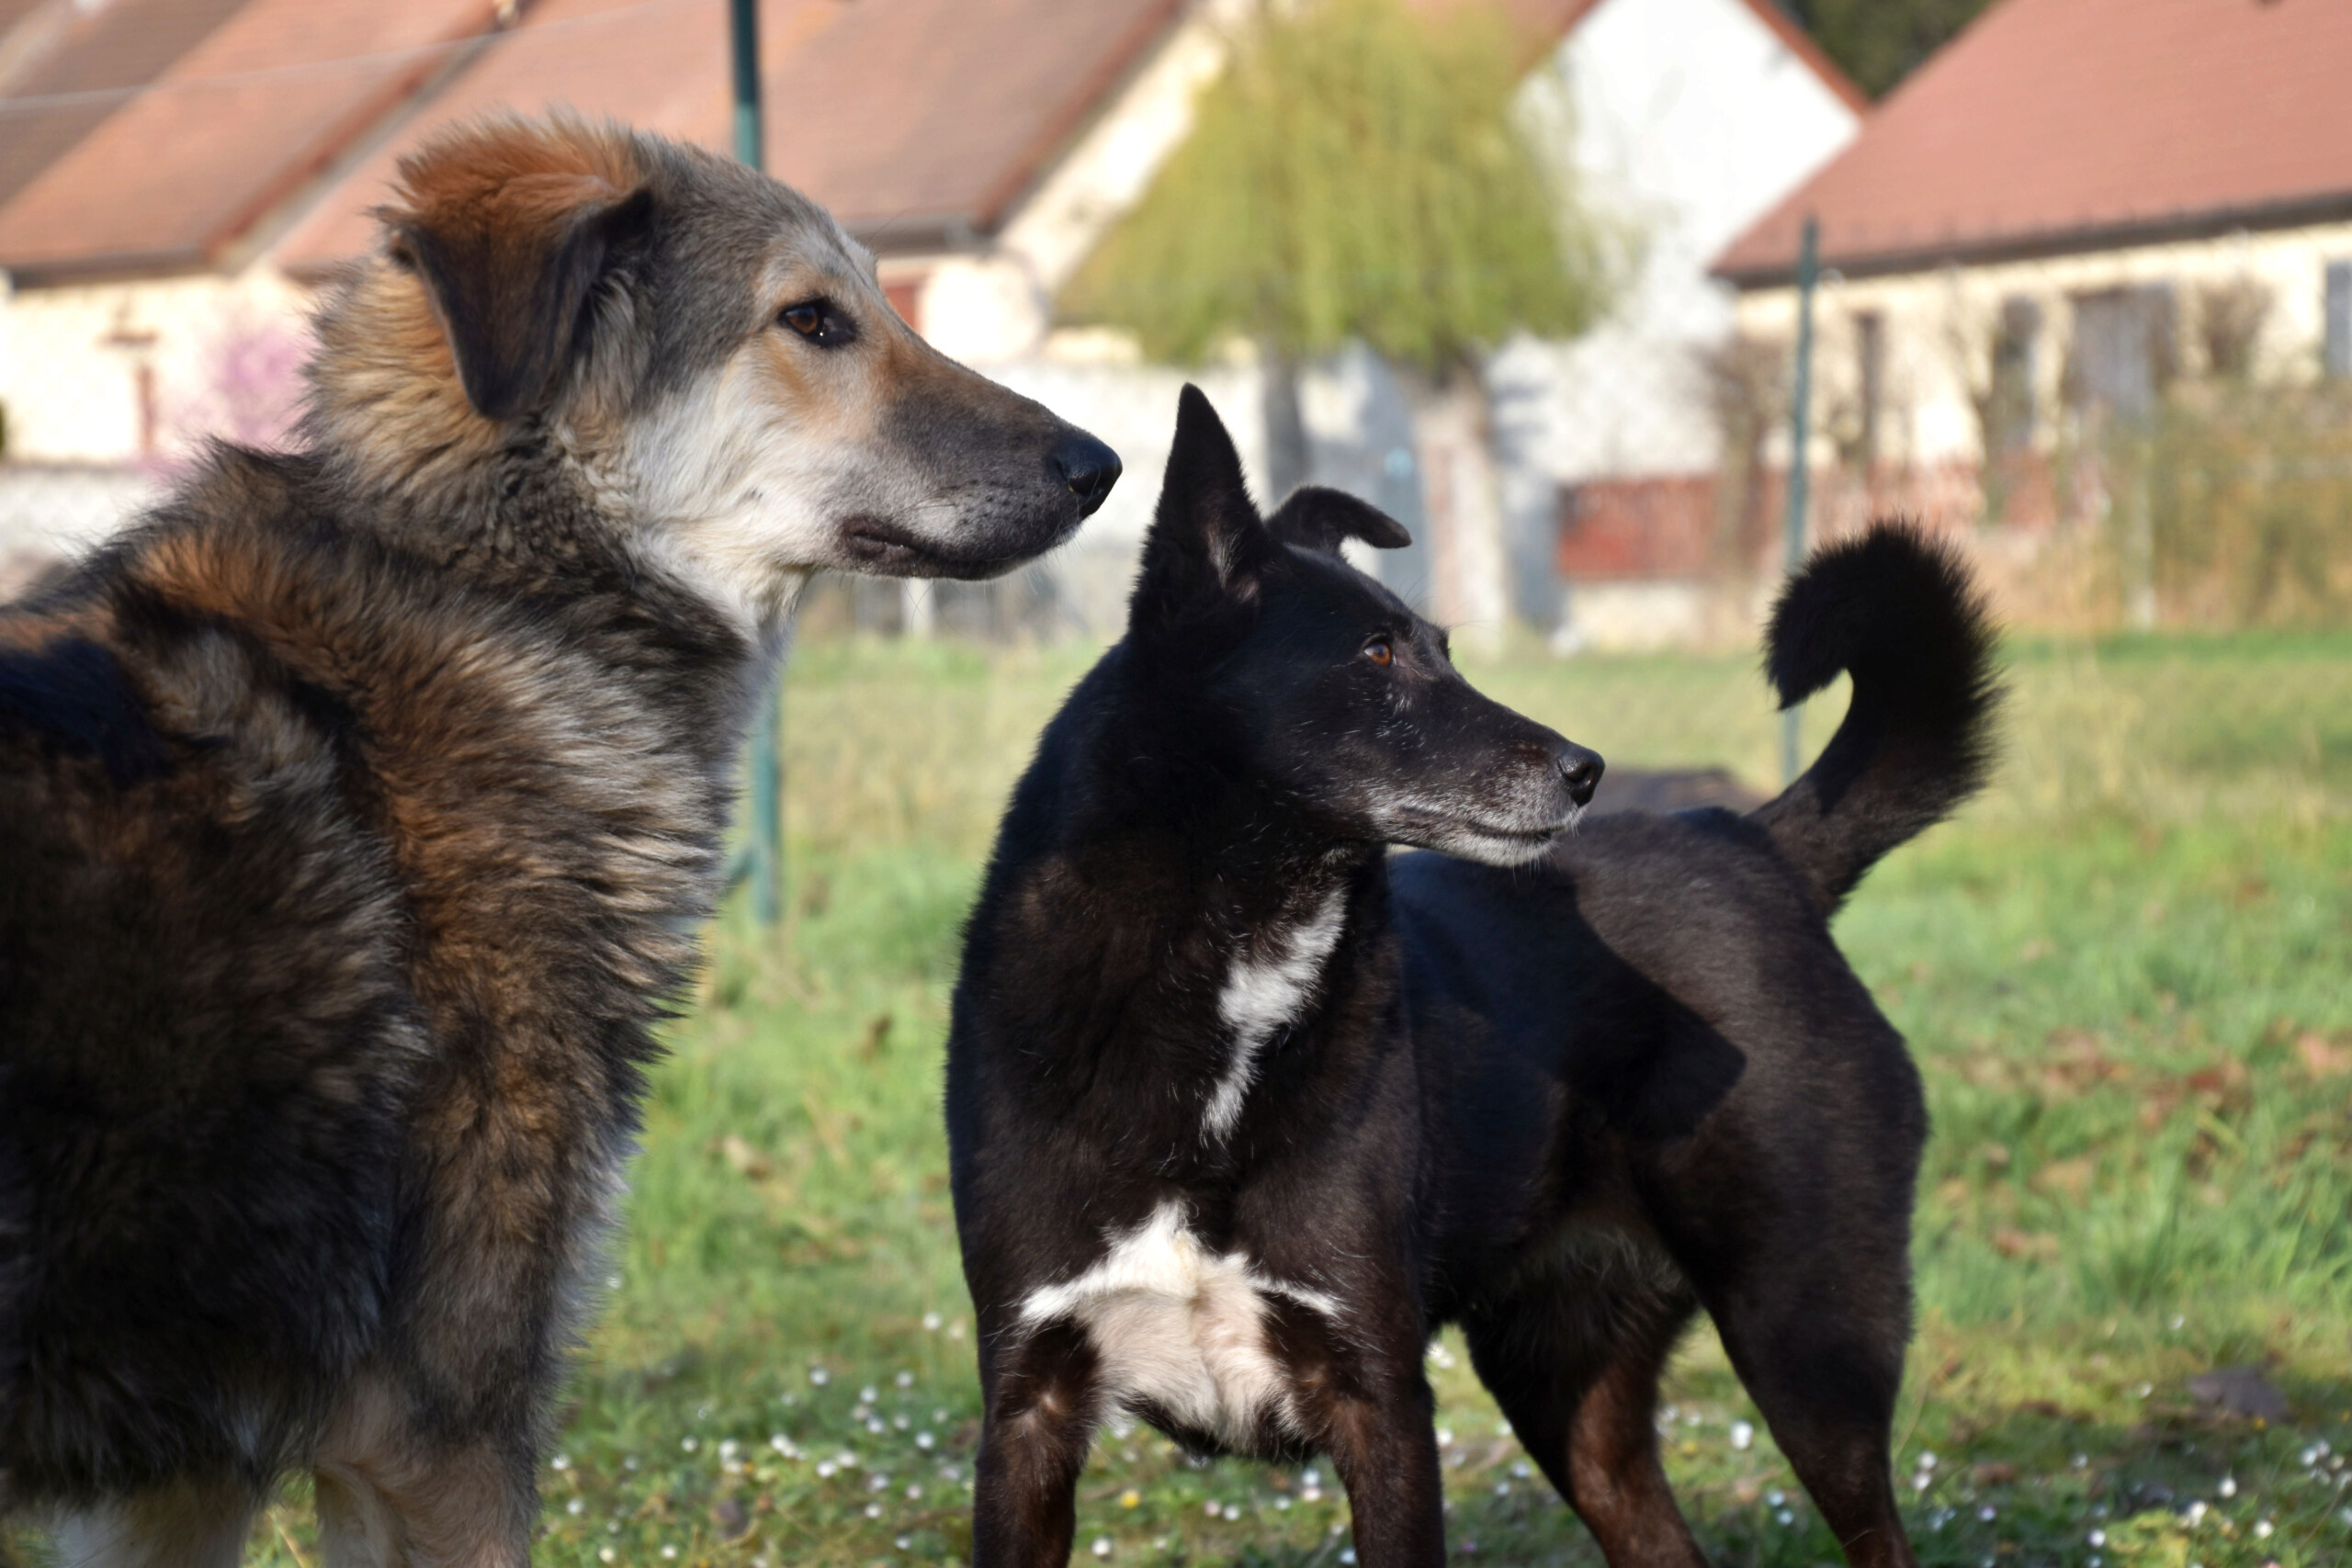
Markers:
point(1901, 613)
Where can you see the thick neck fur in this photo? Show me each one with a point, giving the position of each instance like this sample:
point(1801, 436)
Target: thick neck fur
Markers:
point(393, 626)
point(568, 750)
point(385, 400)
point(522, 500)
point(532, 506)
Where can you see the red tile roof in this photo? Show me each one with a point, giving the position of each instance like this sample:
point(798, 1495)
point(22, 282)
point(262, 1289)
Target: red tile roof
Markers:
point(169, 135)
point(2060, 125)
point(73, 68)
point(946, 110)
point(150, 135)
point(162, 135)
point(658, 65)
point(912, 119)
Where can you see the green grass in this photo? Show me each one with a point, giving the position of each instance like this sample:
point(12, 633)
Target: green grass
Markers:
point(2124, 972)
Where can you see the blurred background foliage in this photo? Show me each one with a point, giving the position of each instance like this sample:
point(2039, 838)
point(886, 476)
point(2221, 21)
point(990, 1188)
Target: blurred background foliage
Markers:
point(1879, 42)
point(2251, 502)
point(1356, 176)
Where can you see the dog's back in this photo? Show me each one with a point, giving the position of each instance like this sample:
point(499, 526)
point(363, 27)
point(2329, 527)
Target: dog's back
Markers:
point(1715, 904)
point(297, 824)
point(1656, 1085)
point(1652, 962)
point(205, 1033)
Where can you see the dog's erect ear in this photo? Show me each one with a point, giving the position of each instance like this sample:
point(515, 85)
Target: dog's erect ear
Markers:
point(1319, 517)
point(1206, 544)
point(511, 231)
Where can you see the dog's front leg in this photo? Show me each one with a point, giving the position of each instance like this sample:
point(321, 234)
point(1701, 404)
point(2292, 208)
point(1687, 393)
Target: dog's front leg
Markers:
point(1035, 1434)
point(1369, 1408)
point(1387, 1456)
point(393, 1494)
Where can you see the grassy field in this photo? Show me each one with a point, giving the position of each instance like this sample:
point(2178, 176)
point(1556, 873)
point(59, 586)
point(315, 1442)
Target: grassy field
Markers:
point(2127, 973)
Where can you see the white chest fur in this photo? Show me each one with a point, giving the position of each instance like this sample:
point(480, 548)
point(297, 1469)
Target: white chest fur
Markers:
point(1267, 987)
point(1180, 1327)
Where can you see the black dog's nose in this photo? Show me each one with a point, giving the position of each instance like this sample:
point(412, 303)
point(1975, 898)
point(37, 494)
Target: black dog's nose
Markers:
point(1580, 771)
point(1088, 467)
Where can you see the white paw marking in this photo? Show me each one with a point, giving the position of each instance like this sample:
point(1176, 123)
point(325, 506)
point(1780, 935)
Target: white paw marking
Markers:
point(1180, 1327)
point(1265, 990)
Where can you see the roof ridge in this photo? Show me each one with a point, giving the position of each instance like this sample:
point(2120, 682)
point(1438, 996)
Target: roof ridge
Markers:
point(2049, 125)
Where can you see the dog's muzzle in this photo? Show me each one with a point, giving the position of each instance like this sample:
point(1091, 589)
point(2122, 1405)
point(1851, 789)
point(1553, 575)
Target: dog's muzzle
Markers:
point(1580, 771)
point(1088, 467)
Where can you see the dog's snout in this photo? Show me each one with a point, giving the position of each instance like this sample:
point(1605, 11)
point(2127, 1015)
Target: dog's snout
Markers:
point(1088, 467)
point(1580, 771)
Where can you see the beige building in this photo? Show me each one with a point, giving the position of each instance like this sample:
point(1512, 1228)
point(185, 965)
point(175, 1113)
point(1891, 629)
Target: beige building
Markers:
point(1685, 121)
point(2070, 206)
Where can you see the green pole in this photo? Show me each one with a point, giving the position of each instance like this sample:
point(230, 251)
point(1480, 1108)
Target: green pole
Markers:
point(743, 19)
point(767, 761)
point(1800, 472)
point(767, 810)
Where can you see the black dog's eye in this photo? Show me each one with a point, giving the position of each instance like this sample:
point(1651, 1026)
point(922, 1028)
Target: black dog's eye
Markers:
point(1378, 650)
point(818, 321)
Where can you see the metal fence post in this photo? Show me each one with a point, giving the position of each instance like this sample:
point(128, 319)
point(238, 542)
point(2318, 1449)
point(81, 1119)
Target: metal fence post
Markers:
point(1800, 468)
point(767, 761)
point(743, 18)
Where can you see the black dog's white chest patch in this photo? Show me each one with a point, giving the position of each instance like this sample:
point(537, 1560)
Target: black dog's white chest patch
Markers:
point(1269, 985)
point(1179, 1328)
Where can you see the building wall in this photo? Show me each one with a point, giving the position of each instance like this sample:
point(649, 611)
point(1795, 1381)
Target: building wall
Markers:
point(1684, 119)
point(1684, 122)
point(104, 388)
point(1938, 331)
point(125, 372)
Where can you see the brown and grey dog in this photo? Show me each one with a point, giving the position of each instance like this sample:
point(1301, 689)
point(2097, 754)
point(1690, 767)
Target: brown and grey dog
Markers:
point(358, 810)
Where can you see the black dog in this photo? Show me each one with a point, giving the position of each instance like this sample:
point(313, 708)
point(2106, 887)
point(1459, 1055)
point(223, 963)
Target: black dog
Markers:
point(1240, 1110)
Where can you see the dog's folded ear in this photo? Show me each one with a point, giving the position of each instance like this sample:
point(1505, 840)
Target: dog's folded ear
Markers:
point(1206, 544)
point(511, 230)
point(1318, 517)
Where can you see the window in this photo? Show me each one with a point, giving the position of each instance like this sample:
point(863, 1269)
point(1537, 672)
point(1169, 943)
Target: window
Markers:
point(2126, 347)
point(2016, 344)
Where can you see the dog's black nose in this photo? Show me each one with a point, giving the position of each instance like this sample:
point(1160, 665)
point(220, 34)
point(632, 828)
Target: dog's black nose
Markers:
point(1088, 467)
point(1580, 771)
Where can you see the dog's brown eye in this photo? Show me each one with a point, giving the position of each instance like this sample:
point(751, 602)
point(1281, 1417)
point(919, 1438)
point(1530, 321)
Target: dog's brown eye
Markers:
point(1379, 652)
point(819, 321)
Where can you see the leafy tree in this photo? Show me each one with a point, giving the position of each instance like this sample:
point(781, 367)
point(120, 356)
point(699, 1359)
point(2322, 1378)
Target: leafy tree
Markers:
point(1879, 42)
point(1356, 173)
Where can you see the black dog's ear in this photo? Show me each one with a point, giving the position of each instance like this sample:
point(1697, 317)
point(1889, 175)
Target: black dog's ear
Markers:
point(1318, 517)
point(1206, 544)
point(510, 227)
